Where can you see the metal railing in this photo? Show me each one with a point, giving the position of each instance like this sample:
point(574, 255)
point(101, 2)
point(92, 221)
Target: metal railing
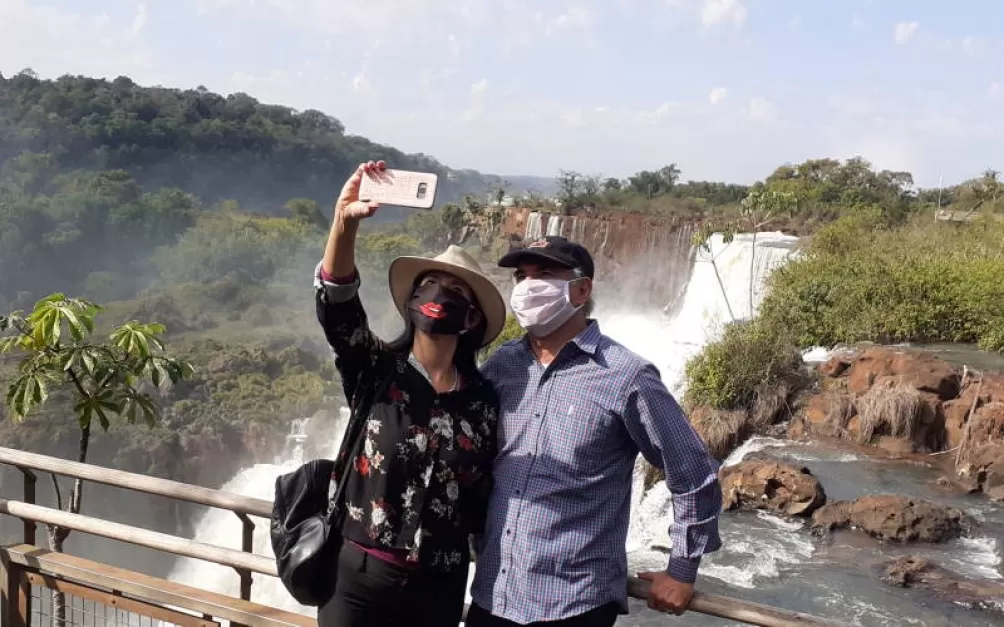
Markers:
point(245, 562)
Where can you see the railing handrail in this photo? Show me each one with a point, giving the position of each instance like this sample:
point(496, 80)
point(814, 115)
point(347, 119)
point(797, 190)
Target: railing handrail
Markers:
point(136, 482)
point(184, 547)
point(246, 561)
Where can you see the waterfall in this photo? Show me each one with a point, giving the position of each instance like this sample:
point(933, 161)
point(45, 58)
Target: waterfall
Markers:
point(554, 224)
point(534, 229)
point(666, 341)
point(222, 527)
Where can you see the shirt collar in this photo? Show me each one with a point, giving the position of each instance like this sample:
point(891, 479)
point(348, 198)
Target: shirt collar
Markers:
point(588, 340)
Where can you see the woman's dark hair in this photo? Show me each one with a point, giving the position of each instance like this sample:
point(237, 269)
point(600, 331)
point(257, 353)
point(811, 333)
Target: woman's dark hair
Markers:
point(468, 344)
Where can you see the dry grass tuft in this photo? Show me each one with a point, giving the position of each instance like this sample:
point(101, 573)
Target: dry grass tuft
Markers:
point(840, 408)
point(768, 402)
point(721, 430)
point(894, 411)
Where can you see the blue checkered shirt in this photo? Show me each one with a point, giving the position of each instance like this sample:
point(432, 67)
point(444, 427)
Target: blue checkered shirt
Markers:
point(569, 435)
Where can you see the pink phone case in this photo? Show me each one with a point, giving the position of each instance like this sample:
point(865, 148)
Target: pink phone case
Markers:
point(401, 188)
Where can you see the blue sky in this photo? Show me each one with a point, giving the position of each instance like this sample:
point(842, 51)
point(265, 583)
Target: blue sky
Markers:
point(727, 89)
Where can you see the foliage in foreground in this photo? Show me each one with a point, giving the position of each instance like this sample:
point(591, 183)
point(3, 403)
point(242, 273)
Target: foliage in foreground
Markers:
point(100, 379)
point(925, 282)
point(745, 365)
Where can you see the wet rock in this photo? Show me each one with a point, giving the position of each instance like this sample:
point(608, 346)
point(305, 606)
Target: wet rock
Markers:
point(834, 366)
point(984, 464)
point(773, 486)
point(891, 517)
point(914, 571)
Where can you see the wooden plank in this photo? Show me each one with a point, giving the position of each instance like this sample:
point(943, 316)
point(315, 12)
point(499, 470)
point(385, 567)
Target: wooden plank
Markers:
point(140, 483)
point(119, 602)
point(154, 590)
point(141, 537)
point(740, 610)
point(15, 594)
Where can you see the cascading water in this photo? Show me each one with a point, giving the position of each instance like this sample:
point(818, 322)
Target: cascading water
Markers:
point(534, 228)
point(776, 557)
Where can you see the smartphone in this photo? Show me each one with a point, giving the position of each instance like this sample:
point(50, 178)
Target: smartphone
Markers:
point(401, 188)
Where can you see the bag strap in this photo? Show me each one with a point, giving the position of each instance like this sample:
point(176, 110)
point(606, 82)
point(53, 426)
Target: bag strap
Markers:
point(350, 445)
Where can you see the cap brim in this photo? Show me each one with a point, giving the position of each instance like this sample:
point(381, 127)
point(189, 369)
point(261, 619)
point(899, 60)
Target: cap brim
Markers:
point(513, 258)
point(404, 271)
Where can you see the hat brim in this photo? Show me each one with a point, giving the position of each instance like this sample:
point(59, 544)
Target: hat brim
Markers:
point(405, 270)
point(513, 258)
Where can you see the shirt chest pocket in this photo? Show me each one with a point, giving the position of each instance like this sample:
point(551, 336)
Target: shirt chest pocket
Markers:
point(579, 434)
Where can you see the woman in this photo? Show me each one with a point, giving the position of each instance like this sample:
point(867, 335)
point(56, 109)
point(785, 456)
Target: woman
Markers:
point(420, 477)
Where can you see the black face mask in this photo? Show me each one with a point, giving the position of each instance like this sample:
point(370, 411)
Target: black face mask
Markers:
point(439, 311)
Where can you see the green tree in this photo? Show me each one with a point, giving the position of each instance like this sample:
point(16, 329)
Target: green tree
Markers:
point(308, 211)
point(58, 358)
point(758, 209)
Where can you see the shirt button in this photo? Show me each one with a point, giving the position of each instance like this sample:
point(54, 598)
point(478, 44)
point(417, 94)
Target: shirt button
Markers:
point(503, 571)
point(508, 531)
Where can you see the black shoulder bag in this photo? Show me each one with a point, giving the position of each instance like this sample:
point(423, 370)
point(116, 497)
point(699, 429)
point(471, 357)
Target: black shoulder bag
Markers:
point(306, 525)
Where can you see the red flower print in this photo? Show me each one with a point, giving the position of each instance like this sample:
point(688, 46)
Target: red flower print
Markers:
point(363, 465)
point(465, 443)
point(395, 393)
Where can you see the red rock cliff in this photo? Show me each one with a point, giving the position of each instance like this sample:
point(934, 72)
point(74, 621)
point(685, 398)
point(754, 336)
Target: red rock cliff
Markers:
point(645, 259)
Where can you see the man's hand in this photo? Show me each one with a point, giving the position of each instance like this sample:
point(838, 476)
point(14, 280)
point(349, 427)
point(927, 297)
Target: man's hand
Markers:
point(667, 594)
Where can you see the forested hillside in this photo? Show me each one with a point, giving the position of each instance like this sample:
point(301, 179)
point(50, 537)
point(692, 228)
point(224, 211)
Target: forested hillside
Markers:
point(213, 146)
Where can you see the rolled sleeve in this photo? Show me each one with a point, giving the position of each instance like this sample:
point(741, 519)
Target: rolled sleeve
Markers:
point(665, 438)
point(338, 290)
point(343, 319)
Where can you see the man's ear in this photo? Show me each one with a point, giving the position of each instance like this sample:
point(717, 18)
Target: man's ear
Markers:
point(580, 291)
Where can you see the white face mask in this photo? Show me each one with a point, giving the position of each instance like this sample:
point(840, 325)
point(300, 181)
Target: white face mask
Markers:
point(542, 305)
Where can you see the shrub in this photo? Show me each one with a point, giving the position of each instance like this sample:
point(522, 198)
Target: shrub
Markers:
point(924, 282)
point(511, 331)
point(748, 363)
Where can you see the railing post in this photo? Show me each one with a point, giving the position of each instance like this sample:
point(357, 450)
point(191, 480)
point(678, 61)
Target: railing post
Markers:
point(15, 595)
point(29, 497)
point(247, 545)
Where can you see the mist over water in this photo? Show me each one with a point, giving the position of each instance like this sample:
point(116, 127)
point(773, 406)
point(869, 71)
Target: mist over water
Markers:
point(764, 558)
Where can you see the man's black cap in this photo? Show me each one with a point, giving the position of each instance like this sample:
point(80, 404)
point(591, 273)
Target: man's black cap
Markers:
point(551, 250)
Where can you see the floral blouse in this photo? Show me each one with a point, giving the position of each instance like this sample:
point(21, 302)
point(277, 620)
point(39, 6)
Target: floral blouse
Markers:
point(421, 478)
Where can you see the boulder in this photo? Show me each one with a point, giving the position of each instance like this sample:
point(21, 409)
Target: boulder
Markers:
point(914, 571)
point(921, 371)
point(984, 464)
point(773, 486)
point(834, 366)
point(891, 517)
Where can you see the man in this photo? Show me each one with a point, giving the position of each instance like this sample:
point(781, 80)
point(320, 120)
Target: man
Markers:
point(577, 408)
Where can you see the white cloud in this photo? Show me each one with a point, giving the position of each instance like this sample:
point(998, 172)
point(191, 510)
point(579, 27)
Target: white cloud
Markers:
point(573, 18)
point(717, 95)
point(715, 12)
point(969, 46)
point(904, 31)
point(139, 21)
point(761, 110)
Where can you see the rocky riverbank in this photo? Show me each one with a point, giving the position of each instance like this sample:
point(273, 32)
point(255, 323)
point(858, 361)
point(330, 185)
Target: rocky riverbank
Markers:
point(899, 406)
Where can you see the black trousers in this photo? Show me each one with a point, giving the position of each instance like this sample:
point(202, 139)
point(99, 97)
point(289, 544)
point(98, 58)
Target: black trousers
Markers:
point(602, 616)
point(374, 593)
